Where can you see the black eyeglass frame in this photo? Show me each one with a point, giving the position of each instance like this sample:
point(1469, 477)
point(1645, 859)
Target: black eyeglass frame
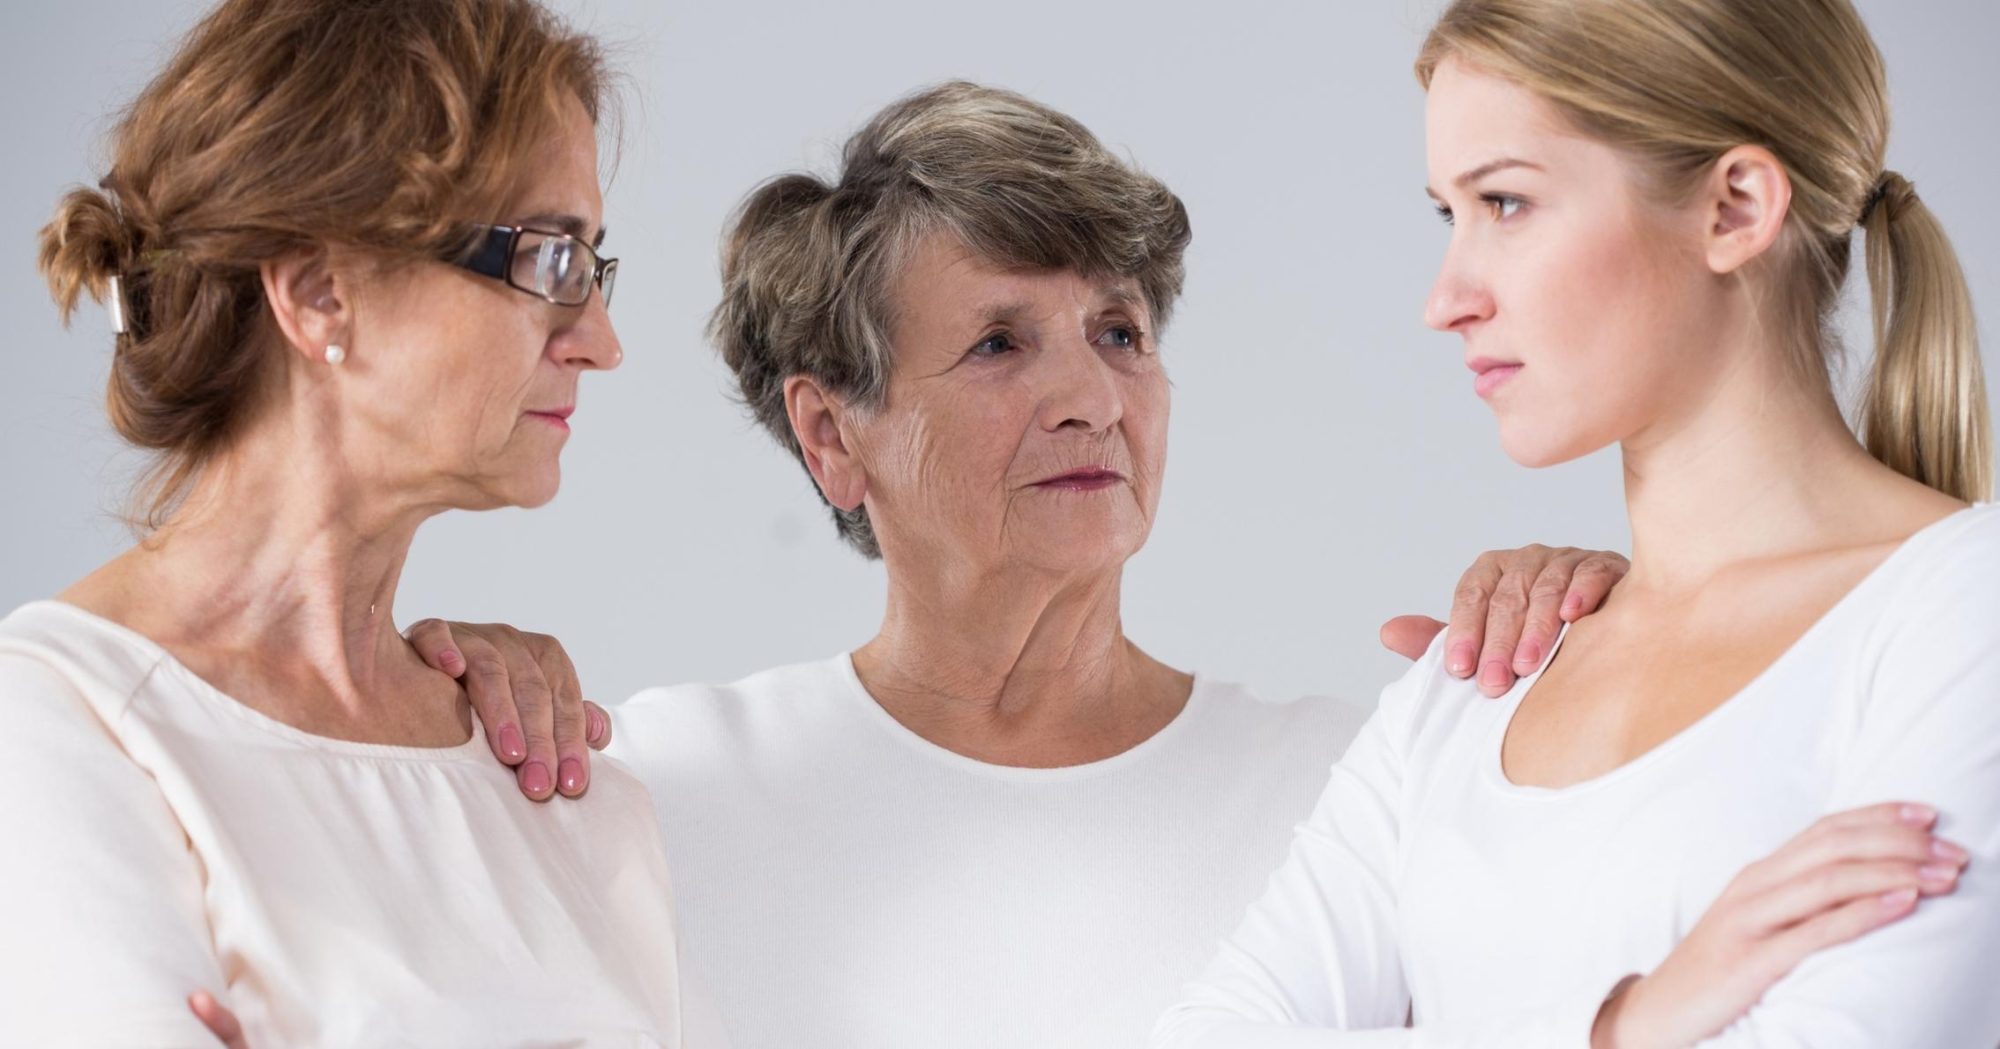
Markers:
point(492, 255)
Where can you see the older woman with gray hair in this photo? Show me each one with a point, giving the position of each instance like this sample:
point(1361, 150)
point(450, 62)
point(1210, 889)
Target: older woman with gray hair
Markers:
point(999, 822)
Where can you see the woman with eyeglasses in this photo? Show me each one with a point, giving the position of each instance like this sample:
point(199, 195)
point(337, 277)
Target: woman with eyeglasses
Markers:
point(351, 253)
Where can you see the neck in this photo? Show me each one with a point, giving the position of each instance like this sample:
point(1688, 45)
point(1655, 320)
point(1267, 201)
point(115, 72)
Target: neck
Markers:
point(1019, 669)
point(279, 569)
point(1763, 467)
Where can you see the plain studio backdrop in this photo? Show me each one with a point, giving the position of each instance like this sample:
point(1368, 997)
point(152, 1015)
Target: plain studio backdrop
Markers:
point(1330, 465)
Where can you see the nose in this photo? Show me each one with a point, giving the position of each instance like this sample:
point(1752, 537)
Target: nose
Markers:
point(1458, 298)
point(1082, 391)
point(588, 342)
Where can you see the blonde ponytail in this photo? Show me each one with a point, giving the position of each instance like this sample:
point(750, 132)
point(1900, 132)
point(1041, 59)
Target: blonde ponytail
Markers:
point(1925, 412)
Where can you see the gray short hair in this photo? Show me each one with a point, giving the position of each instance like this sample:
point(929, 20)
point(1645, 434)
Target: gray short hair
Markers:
point(807, 266)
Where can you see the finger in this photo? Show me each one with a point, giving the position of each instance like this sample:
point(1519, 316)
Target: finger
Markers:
point(534, 701)
point(489, 685)
point(598, 725)
point(1544, 616)
point(1882, 814)
point(1819, 849)
point(1468, 615)
point(571, 726)
point(435, 645)
point(1831, 887)
point(1410, 636)
point(219, 1021)
point(1780, 954)
point(1505, 614)
point(1592, 582)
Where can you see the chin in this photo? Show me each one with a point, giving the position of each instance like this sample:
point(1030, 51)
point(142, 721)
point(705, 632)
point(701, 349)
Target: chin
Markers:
point(531, 490)
point(1087, 550)
point(1537, 446)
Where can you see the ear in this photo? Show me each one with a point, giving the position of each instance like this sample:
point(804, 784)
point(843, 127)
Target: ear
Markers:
point(816, 416)
point(1745, 201)
point(309, 302)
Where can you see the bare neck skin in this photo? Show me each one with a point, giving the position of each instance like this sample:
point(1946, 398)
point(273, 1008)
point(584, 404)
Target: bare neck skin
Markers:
point(1763, 469)
point(276, 583)
point(1033, 673)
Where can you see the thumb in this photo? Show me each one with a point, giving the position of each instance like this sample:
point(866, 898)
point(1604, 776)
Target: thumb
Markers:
point(1409, 636)
point(220, 1021)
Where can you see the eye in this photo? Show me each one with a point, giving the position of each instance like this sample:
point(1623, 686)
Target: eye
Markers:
point(1504, 207)
point(994, 345)
point(1121, 337)
point(1445, 215)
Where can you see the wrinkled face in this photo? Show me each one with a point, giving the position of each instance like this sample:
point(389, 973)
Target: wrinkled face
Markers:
point(459, 386)
point(1026, 419)
point(1588, 313)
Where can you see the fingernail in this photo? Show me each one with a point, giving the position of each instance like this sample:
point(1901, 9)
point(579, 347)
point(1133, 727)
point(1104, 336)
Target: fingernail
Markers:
point(1496, 676)
point(1938, 873)
point(535, 778)
point(1949, 852)
point(1529, 655)
point(1918, 815)
point(594, 729)
point(1460, 664)
point(1898, 900)
point(571, 774)
point(453, 662)
point(512, 747)
point(1572, 604)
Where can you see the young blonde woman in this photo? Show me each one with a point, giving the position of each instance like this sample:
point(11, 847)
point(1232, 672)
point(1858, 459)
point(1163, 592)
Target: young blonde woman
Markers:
point(1654, 206)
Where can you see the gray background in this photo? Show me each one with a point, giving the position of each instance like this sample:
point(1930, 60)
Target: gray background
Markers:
point(1330, 465)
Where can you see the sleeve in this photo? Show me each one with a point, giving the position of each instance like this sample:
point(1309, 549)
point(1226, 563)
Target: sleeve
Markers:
point(1316, 962)
point(1927, 729)
point(100, 894)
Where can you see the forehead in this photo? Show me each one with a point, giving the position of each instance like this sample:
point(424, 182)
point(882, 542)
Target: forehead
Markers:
point(560, 173)
point(942, 278)
point(1472, 117)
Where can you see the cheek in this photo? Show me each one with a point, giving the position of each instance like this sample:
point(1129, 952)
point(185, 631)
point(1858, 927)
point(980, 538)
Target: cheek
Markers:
point(1599, 321)
point(460, 387)
point(1148, 407)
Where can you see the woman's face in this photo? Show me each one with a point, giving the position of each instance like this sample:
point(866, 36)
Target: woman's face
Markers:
point(459, 386)
point(1588, 312)
point(1025, 423)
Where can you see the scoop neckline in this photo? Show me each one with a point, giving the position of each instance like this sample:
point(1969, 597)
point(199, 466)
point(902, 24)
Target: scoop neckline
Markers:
point(1493, 763)
point(872, 710)
point(472, 749)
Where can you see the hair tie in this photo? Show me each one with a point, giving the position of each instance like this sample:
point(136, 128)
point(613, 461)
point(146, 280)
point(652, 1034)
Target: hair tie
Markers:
point(1875, 198)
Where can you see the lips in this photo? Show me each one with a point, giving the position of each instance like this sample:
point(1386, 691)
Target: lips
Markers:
point(1491, 374)
point(1088, 479)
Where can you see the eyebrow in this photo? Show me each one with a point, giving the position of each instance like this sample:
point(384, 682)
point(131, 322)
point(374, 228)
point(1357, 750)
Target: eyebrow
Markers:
point(1489, 168)
point(570, 224)
point(1120, 293)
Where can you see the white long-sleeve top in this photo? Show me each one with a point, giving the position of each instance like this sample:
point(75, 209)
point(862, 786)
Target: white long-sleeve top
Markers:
point(845, 883)
point(163, 838)
point(1427, 886)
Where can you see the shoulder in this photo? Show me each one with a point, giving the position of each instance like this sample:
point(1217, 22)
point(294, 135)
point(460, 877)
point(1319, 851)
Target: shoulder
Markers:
point(1944, 584)
point(705, 717)
point(54, 657)
point(1315, 726)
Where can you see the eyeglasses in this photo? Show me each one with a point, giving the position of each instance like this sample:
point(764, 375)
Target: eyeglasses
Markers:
point(552, 266)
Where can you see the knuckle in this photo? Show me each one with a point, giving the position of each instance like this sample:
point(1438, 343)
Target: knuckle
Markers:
point(1471, 593)
point(1510, 599)
point(1549, 589)
point(485, 665)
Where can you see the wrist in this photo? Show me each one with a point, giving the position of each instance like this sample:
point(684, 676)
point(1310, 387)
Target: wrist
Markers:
point(1611, 1030)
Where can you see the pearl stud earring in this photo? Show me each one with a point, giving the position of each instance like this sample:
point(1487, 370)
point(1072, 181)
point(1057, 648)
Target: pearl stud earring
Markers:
point(334, 354)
